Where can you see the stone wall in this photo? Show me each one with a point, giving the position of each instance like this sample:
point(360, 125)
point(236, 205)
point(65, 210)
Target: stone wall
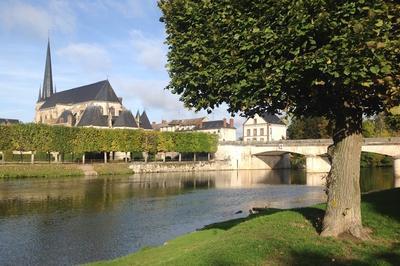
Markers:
point(169, 167)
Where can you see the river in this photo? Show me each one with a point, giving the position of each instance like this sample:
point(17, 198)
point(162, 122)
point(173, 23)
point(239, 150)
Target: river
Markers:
point(78, 220)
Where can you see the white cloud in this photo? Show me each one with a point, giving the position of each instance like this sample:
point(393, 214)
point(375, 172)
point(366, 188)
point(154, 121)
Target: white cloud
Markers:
point(149, 93)
point(91, 57)
point(37, 20)
point(150, 52)
point(160, 103)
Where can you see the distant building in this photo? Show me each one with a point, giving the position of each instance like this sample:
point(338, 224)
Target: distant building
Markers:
point(265, 127)
point(93, 105)
point(224, 129)
point(7, 121)
point(180, 124)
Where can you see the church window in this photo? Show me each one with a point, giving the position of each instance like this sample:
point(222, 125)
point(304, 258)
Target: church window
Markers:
point(112, 111)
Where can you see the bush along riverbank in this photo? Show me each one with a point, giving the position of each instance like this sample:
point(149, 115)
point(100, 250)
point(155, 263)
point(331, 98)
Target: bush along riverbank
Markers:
point(284, 237)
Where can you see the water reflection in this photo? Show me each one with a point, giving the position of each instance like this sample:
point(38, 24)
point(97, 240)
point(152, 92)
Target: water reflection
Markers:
point(71, 221)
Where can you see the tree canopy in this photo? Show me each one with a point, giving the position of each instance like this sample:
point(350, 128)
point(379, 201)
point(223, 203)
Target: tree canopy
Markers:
point(45, 138)
point(338, 59)
point(308, 57)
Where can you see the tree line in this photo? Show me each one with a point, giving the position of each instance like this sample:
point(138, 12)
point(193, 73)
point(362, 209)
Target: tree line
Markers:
point(45, 138)
point(381, 125)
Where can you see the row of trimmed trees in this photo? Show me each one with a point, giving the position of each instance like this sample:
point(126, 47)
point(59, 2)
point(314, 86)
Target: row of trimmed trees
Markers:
point(44, 138)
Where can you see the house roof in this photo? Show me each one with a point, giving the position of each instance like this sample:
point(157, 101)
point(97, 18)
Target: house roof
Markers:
point(187, 122)
point(6, 121)
point(272, 119)
point(144, 121)
point(99, 91)
point(93, 116)
point(159, 125)
point(216, 124)
point(125, 119)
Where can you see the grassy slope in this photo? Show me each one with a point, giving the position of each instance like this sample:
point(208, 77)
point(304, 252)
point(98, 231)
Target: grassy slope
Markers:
point(39, 170)
point(59, 170)
point(113, 169)
point(284, 237)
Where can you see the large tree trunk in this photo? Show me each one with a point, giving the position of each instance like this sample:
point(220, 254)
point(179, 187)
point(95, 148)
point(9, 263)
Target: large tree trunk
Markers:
point(343, 212)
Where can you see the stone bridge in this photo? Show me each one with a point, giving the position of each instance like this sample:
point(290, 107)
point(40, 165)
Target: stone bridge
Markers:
point(273, 155)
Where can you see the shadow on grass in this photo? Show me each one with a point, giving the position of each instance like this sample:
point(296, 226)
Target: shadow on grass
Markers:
point(312, 214)
point(385, 202)
point(390, 257)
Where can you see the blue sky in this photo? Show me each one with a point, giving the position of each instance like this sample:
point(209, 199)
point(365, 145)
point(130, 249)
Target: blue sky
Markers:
point(90, 41)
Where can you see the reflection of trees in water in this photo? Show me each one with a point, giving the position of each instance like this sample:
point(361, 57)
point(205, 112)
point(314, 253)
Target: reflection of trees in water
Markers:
point(96, 195)
point(376, 179)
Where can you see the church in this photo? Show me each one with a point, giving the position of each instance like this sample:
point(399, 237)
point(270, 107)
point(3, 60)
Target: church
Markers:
point(92, 105)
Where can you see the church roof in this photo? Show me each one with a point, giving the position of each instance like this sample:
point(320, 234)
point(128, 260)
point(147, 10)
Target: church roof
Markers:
point(125, 119)
point(93, 116)
point(99, 91)
point(144, 121)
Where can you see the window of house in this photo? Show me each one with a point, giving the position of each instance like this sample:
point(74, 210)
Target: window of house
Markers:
point(262, 139)
point(248, 132)
point(261, 132)
point(255, 132)
point(255, 121)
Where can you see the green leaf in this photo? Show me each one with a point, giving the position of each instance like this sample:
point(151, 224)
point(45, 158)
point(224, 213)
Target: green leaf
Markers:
point(374, 69)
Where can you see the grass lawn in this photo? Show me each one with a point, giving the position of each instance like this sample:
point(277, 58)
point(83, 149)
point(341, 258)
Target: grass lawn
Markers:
point(39, 170)
point(113, 169)
point(284, 237)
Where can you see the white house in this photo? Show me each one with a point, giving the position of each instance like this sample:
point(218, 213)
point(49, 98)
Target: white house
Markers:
point(265, 127)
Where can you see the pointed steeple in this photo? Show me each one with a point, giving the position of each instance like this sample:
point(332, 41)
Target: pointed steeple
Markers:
point(144, 121)
point(137, 117)
point(40, 95)
point(48, 75)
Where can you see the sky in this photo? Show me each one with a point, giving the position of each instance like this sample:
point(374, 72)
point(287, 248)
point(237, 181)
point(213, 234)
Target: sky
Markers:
point(90, 40)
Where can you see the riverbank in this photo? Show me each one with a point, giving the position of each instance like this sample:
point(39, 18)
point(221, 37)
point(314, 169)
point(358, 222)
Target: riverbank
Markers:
point(283, 237)
point(60, 170)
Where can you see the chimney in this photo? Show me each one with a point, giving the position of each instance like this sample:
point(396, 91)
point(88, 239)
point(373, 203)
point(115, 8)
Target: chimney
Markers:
point(224, 122)
point(231, 122)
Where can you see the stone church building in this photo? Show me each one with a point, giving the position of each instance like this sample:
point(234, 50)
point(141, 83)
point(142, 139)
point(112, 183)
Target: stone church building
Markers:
point(92, 105)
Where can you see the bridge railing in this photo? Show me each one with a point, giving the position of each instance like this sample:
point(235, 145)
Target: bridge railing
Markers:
point(389, 140)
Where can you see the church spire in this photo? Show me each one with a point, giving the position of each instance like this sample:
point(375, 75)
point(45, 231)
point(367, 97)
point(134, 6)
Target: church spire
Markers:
point(40, 94)
point(48, 76)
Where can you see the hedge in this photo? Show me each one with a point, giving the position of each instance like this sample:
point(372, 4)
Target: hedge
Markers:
point(45, 138)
